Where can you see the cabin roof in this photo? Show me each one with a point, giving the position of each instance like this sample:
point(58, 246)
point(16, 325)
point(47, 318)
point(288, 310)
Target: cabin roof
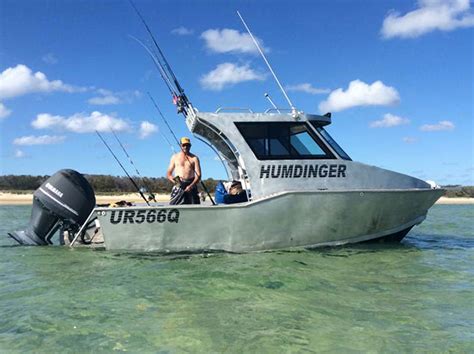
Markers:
point(223, 116)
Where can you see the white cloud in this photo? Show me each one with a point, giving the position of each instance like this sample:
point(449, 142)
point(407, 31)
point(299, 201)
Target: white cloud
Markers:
point(4, 111)
point(442, 15)
point(107, 97)
point(49, 58)
point(360, 94)
point(227, 74)
point(19, 154)
point(409, 140)
point(182, 31)
point(104, 100)
point(308, 88)
point(389, 121)
point(230, 41)
point(146, 129)
point(442, 125)
point(39, 140)
point(47, 121)
point(20, 80)
point(80, 123)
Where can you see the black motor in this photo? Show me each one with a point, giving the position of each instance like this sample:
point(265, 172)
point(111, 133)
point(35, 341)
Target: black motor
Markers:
point(64, 200)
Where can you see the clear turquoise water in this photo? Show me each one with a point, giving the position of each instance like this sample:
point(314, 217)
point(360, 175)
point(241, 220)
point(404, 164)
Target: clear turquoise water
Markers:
point(415, 296)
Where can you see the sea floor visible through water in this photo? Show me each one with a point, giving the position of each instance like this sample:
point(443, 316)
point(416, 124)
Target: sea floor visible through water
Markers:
point(414, 296)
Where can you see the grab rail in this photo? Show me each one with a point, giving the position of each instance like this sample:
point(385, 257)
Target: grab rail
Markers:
point(278, 110)
point(233, 109)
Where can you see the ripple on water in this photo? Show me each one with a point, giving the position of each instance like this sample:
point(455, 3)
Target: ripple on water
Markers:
point(413, 296)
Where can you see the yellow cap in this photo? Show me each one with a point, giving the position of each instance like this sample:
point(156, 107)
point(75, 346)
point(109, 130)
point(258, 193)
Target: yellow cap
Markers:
point(185, 140)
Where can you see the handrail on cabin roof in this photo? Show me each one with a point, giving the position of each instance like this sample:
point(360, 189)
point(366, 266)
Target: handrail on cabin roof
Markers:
point(220, 109)
point(278, 110)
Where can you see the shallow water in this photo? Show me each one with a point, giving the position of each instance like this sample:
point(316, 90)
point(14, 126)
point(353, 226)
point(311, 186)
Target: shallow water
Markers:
point(413, 296)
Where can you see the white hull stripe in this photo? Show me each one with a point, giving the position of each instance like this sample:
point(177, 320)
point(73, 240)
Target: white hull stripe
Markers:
point(59, 202)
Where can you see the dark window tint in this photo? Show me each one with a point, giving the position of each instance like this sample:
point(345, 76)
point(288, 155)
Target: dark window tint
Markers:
point(283, 140)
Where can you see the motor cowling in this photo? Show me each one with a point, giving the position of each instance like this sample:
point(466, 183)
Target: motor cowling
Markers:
point(64, 200)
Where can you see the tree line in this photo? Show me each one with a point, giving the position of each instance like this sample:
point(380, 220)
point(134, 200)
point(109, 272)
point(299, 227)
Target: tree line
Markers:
point(118, 184)
point(101, 183)
point(459, 191)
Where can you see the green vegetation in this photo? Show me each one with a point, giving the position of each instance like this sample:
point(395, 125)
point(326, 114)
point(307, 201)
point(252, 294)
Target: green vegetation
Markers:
point(106, 184)
point(459, 191)
point(102, 184)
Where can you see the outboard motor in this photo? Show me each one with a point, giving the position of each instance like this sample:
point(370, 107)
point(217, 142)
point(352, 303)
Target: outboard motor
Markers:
point(64, 200)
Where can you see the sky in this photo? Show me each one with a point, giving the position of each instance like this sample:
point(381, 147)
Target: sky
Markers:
point(396, 75)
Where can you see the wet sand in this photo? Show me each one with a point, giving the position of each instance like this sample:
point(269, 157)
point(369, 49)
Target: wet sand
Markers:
point(24, 199)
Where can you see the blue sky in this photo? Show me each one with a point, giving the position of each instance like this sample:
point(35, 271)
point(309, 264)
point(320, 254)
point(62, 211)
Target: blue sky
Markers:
point(397, 76)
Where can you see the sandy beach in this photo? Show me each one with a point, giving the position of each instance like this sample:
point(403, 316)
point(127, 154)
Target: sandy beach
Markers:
point(445, 200)
point(7, 198)
point(27, 198)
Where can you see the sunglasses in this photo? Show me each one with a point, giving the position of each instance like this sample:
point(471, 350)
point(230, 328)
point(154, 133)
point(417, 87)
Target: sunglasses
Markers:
point(184, 145)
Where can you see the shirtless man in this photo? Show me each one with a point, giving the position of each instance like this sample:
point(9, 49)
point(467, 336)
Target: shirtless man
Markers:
point(186, 166)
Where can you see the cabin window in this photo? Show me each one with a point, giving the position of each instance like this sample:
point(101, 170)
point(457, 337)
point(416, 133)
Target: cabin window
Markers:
point(332, 143)
point(283, 140)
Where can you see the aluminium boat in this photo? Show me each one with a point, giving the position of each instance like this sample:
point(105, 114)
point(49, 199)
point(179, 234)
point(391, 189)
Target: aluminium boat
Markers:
point(301, 190)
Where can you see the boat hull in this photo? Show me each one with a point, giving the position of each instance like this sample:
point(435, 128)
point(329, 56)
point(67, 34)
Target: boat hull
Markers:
point(285, 220)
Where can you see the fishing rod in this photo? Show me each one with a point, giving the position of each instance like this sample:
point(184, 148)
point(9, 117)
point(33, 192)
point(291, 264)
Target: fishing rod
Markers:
point(157, 65)
point(165, 63)
point(167, 74)
point(180, 99)
point(177, 142)
point(163, 117)
point(163, 58)
point(177, 99)
point(151, 196)
point(123, 168)
point(164, 137)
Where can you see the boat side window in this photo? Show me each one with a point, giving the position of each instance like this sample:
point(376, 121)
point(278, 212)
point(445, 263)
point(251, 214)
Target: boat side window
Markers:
point(283, 140)
point(332, 142)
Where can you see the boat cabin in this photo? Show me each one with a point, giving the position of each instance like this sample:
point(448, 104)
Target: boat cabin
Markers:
point(274, 152)
point(271, 151)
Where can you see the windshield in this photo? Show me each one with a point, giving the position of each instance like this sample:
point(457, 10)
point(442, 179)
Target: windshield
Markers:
point(332, 143)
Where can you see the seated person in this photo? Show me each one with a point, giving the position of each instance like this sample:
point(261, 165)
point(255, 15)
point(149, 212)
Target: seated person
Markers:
point(230, 193)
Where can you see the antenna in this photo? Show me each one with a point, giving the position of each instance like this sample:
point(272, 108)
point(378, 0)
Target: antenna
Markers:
point(271, 101)
point(293, 109)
